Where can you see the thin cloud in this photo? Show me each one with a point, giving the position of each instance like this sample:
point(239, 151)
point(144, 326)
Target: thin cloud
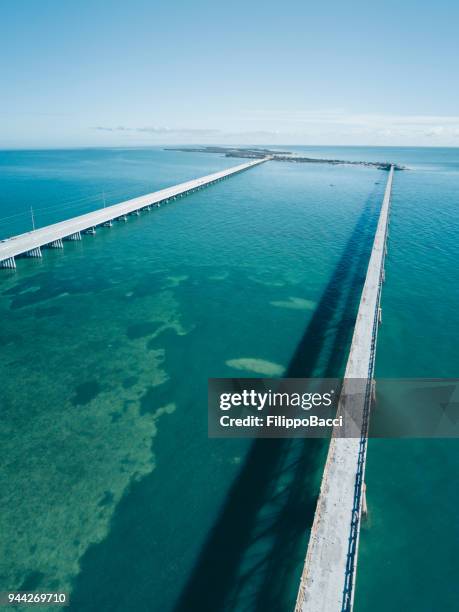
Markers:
point(340, 127)
point(332, 126)
point(348, 118)
point(160, 130)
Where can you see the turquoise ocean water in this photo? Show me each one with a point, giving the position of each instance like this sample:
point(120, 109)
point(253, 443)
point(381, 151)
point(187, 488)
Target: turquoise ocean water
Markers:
point(110, 487)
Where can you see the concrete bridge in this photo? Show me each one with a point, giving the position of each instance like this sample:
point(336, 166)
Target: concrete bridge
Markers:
point(31, 243)
point(328, 578)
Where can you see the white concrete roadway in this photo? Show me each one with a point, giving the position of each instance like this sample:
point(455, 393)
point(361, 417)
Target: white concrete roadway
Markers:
point(25, 243)
point(328, 579)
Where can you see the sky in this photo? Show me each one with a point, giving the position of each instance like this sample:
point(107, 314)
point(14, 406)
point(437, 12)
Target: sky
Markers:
point(148, 72)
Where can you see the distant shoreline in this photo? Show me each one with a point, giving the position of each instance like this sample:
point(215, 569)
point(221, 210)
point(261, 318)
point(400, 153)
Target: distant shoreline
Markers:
point(285, 156)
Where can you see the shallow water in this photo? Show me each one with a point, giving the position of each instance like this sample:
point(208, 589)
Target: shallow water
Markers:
point(408, 556)
point(110, 487)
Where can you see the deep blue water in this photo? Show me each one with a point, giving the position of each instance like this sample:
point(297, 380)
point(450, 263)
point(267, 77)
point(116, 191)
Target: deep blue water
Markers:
point(110, 487)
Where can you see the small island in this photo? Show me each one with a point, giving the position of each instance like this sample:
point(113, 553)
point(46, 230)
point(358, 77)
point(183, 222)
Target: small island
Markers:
point(283, 156)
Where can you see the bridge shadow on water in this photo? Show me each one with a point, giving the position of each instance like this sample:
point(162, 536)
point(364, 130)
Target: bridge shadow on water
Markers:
point(254, 553)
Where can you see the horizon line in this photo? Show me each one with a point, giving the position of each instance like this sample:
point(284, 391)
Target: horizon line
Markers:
point(223, 145)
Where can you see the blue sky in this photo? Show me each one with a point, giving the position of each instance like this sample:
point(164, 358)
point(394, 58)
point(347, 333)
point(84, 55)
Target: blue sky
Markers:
point(145, 72)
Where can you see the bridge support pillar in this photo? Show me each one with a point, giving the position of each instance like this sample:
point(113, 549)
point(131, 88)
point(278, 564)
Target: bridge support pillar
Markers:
point(90, 230)
point(108, 223)
point(56, 244)
point(75, 236)
point(8, 263)
point(380, 315)
point(364, 500)
point(135, 212)
point(33, 252)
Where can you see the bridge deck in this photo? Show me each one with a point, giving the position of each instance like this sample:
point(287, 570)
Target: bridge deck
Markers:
point(327, 582)
point(34, 240)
